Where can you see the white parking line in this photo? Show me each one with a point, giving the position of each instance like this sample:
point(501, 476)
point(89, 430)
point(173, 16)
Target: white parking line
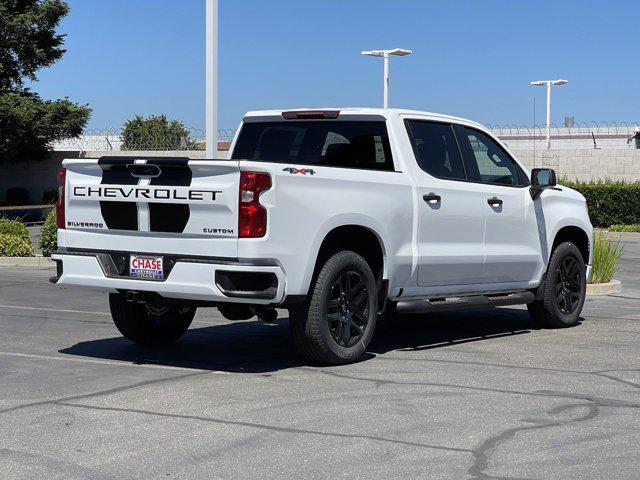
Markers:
point(83, 312)
point(54, 310)
point(109, 362)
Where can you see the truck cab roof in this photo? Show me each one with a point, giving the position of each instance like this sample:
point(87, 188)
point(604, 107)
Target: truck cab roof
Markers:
point(386, 113)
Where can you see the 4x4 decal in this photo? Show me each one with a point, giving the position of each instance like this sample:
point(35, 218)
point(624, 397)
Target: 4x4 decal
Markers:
point(295, 171)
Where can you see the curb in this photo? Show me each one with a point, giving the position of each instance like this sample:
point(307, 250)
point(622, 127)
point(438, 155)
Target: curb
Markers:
point(614, 286)
point(38, 261)
point(611, 235)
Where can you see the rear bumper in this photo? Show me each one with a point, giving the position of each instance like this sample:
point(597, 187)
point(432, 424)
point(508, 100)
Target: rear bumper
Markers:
point(589, 270)
point(188, 279)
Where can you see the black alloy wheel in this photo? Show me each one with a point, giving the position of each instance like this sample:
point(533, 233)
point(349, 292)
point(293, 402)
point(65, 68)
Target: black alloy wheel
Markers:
point(348, 308)
point(568, 285)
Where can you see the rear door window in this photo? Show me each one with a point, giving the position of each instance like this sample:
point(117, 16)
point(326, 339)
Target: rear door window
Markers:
point(344, 143)
point(436, 149)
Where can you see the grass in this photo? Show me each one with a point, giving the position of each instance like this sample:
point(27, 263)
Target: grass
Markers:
point(606, 254)
point(625, 228)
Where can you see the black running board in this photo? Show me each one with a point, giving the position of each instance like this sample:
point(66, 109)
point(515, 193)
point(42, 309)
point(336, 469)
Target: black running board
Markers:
point(458, 303)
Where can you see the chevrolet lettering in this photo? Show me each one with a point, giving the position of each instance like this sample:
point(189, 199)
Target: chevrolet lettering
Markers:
point(105, 193)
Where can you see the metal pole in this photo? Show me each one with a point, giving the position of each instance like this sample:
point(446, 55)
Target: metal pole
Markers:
point(211, 103)
point(548, 115)
point(534, 132)
point(385, 102)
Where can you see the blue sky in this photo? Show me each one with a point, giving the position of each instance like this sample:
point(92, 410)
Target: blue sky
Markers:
point(471, 58)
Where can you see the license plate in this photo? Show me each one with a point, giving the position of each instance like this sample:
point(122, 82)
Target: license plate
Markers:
point(146, 267)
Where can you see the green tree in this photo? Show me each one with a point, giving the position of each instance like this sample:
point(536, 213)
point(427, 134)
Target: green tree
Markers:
point(29, 42)
point(155, 133)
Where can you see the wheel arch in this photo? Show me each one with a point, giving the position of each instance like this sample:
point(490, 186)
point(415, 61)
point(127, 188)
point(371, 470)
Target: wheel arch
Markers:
point(360, 239)
point(575, 235)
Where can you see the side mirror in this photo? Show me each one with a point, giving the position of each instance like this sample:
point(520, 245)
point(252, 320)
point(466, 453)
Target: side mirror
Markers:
point(541, 179)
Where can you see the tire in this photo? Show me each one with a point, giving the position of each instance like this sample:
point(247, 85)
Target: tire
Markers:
point(336, 323)
point(564, 289)
point(150, 324)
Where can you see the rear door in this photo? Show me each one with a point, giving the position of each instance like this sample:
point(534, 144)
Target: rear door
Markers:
point(160, 205)
point(451, 217)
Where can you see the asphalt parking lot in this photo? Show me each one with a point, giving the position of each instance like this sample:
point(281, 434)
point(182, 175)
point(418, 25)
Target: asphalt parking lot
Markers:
point(459, 395)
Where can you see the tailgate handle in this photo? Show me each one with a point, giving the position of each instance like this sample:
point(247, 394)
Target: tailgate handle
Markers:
point(144, 170)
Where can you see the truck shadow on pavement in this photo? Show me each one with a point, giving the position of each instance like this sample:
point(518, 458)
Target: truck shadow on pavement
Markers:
point(446, 329)
point(256, 347)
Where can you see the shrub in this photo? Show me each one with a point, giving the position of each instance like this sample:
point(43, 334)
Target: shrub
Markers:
point(14, 227)
point(49, 235)
point(606, 254)
point(14, 246)
point(155, 133)
point(610, 202)
point(625, 228)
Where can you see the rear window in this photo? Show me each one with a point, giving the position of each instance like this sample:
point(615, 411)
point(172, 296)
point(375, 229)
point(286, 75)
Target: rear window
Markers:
point(347, 144)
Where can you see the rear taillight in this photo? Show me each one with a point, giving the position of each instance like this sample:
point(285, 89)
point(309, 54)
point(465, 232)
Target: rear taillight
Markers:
point(62, 177)
point(252, 216)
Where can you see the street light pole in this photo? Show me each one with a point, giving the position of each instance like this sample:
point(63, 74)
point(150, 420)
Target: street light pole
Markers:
point(211, 66)
point(385, 90)
point(385, 56)
point(548, 84)
point(548, 115)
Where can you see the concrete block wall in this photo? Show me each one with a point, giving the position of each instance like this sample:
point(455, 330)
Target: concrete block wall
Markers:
point(36, 177)
point(586, 164)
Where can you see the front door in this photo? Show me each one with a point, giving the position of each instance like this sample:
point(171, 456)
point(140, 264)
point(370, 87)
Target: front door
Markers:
point(512, 241)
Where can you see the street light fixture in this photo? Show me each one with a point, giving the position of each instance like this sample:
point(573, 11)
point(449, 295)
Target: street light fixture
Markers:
point(548, 83)
point(401, 52)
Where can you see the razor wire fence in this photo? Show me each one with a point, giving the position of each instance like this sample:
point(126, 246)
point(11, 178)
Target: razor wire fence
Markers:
point(578, 135)
point(112, 139)
point(617, 135)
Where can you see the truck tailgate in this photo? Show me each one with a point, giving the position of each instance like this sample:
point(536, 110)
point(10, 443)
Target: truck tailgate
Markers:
point(159, 205)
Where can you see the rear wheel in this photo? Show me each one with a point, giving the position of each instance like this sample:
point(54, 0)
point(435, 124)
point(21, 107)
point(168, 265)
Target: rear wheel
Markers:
point(564, 289)
point(150, 323)
point(337, 321)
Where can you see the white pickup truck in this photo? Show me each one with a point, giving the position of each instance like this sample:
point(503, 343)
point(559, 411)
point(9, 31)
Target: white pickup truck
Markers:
point(334, 215)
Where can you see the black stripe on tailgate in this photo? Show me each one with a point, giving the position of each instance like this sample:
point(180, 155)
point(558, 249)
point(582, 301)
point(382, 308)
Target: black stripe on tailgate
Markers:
point(167, 217)
point(118, 215)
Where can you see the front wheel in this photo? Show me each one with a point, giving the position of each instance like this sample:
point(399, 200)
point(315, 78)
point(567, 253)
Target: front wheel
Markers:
point(337, 321)
point(150, 323)
point(564, 289)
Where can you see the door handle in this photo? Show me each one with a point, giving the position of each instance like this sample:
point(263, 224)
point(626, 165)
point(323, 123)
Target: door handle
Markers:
point(494, 202)
point(431, 198)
